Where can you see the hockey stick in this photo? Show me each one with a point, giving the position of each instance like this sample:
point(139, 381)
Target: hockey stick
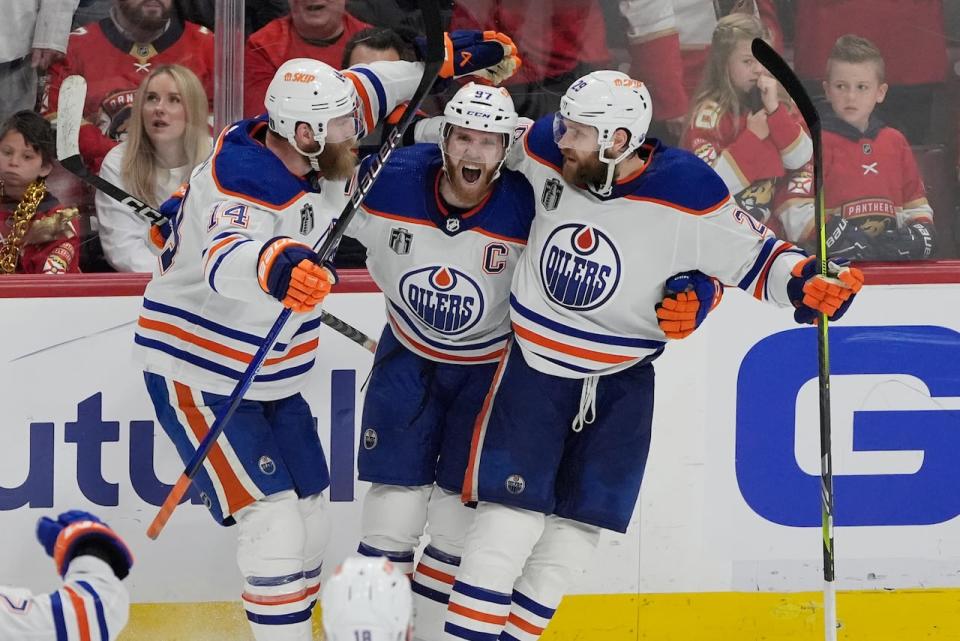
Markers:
point(73, 93)
point(433, 61)
point(780, 70)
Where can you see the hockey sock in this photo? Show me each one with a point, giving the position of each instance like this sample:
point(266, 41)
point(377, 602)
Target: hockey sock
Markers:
point(403, 559)
point(316, 520)
point(447, 522)
point(270, 555)
point(432, 583)
point(392, 521)
point(559, 558)
point(496, 548)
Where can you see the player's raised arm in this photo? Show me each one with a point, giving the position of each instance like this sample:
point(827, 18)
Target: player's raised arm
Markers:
point(383, 86)
point(737, 249)
point(92, 603)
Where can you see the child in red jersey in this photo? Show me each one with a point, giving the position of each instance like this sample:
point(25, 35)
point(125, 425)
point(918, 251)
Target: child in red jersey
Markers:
point(741, 124)
point(37, 234)
point(875, 203)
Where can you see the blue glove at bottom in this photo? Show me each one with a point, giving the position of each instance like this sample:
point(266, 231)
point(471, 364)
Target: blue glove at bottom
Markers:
point(76, 532)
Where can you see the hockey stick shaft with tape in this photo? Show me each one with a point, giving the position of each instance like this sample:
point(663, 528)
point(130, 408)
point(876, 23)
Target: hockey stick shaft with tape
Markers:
point(780, 70)
point(433, 62)
point(73, 93)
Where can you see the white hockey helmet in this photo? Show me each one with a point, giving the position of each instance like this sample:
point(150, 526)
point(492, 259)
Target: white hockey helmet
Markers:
point(481, 108)
point(310, 91)
point(367, 598)
point(607, 100)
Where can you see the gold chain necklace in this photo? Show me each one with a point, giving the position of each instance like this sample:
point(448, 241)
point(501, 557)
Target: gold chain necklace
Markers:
point(10, 248)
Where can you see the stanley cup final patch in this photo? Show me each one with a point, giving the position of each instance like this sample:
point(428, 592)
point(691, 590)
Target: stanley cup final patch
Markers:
point(552, 190)
point(306, 219)
point(400, 240)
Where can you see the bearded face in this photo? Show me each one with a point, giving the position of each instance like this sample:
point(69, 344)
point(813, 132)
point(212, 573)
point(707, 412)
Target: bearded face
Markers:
point(338, 160)
point(148, 15)
point(583, 167)
point(470, 162)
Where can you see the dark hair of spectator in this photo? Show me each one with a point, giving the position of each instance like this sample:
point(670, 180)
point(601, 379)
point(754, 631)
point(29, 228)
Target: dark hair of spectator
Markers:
point(377, 39)
point(36, 131)
point(854, 49)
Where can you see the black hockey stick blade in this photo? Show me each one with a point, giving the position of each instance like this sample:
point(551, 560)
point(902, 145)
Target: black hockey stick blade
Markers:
point(432, 63)
point(73, 94)
point(779, 69)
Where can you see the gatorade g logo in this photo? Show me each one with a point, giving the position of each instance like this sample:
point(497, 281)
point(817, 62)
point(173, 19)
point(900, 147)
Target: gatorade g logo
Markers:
point(895, 426)
point(444, 298)
point(579, 266)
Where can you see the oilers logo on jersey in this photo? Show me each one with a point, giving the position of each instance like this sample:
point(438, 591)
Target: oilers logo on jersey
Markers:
point(579, 266)
point(445, 298)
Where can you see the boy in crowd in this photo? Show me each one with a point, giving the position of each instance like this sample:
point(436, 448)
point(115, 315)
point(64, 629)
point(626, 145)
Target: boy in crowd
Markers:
point(37, 234)
point(876, 205)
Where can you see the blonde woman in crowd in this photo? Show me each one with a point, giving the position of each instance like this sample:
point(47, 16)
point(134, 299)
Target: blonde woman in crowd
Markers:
point(167, 137)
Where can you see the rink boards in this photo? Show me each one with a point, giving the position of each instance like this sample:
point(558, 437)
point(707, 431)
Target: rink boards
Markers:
point(725, 542)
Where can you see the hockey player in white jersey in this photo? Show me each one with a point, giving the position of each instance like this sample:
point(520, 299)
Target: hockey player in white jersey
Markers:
point(560, 447)
point(444, 228)
point(367, 599)
point(240, 250)
point(92, 603)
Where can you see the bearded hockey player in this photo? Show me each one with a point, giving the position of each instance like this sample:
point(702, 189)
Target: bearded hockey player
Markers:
point(239, 251)
point(444, 228)
point(559, 449)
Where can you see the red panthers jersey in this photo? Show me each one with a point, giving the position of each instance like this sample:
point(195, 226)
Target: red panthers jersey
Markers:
point(114, 66)
point(869, 177)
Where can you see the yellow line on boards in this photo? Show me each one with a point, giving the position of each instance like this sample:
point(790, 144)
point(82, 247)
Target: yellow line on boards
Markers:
point(931, 615)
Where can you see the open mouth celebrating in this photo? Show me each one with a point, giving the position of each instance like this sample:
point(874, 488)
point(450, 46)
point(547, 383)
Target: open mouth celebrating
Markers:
point(471, 174)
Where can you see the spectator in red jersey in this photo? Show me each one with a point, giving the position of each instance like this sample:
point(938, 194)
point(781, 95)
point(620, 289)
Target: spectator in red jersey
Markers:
point(876, 205)
point(741, 124)
point(115, 55)
point(318, 29)
point(37, 234)
point(669, 41)
point(909, 35)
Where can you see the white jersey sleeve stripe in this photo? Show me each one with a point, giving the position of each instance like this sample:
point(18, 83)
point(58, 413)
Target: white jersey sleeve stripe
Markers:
point(59, 623)
point(98, 608)
point(80, 610)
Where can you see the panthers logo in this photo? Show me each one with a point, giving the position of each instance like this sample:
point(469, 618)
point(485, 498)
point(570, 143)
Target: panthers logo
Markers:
point(443, 297)
point(579, 266)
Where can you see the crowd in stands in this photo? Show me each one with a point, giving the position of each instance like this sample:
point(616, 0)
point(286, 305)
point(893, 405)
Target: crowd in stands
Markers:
point(880, 70)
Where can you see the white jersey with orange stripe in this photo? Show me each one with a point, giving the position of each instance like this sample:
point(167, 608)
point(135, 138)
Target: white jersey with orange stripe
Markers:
point(445, 274)
point(206, 314)
point(584, 296)
point(92, 603)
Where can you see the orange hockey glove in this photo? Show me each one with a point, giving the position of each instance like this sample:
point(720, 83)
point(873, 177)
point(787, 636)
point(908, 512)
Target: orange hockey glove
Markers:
point(812, 293)
point(290, 272)
point(688, 298)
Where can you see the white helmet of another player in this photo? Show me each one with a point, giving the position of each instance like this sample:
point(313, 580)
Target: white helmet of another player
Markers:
point(367, 599)
point(481, 108)
point(607, 101)
point(310, 91)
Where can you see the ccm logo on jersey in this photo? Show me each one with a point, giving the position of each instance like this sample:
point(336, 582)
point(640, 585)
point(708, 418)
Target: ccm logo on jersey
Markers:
point(444, 298)
point(579, 266)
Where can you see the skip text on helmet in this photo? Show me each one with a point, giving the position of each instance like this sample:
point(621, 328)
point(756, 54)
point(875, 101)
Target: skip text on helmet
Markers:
point(299, 76)
point(627, 82)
